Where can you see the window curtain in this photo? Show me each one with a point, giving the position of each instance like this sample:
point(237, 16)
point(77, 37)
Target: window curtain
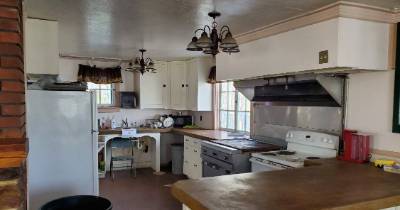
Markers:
point(99, 75)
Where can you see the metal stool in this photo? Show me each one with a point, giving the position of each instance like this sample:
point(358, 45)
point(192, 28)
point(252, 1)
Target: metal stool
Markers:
point(121, 144)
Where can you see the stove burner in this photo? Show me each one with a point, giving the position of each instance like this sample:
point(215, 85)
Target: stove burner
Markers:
point(285, 152)
point(313, 158)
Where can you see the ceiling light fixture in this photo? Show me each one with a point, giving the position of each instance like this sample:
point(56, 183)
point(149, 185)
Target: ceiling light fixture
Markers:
point(211, 44)
point(142, 65)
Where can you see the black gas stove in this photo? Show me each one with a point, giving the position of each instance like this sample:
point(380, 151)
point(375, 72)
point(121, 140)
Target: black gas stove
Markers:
point(222, 157)
point(247, 145)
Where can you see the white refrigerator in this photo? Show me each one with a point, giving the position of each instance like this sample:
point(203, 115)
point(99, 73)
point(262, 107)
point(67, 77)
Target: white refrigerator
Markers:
point(62, 158)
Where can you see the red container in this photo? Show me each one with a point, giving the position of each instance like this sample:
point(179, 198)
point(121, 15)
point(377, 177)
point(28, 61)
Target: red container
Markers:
point(356, 146)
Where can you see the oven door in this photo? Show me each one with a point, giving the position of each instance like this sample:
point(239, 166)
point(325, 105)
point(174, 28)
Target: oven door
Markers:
point(213, 167)
point(257, 164)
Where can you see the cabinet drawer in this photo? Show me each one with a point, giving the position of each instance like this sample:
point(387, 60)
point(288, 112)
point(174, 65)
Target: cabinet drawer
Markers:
point(196, 142)
point(197, 170)
point(217, 154)
point(188, 140)
point(187, 150)
point(186, 167)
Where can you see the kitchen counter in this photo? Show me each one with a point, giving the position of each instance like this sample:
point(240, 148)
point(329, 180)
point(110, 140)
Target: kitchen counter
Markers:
point(326, 184)
point(139, 130)
point(203, 134)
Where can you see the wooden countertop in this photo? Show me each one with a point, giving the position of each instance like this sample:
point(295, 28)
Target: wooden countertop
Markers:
point(203, 134)
point(140, 130)
point(328, 184)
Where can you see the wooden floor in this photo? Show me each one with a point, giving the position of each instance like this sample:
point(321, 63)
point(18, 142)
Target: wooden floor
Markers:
point(145, 192)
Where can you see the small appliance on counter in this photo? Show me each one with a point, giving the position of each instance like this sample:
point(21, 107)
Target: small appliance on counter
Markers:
point(181, 121)
point(356, 146)
point(302, 145)
point(128, 99)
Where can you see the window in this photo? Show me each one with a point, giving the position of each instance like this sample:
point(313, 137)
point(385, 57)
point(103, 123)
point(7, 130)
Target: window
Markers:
point(234, 109)
point(104, 93)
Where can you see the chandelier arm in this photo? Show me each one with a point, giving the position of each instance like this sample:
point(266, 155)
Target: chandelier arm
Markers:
point(148, 61)
point(225, 27)
point(199, 29)
point(222, 32)
point(209, 29)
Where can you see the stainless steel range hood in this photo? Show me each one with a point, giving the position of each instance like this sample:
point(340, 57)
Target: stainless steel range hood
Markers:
point(298, 90)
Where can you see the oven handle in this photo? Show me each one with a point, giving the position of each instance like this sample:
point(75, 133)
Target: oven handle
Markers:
point(211, 165)
point(217, 167)
point(269, 164)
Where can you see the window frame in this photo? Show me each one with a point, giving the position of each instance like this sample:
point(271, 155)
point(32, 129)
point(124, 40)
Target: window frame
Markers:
point(396, 96)
point(112, 89)
point(236, 110)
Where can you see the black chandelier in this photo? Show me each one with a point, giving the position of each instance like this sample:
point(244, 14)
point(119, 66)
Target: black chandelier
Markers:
point(211, 44)
point(142, 65)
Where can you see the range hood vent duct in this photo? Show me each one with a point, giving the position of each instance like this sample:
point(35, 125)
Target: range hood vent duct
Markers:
point(298, 90)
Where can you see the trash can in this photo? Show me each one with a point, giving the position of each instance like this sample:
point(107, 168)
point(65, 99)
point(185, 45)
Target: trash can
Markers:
point(78, 202)
point(177, 158)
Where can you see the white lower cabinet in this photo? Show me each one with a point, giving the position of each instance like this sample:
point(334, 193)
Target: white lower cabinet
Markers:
point(192, 165)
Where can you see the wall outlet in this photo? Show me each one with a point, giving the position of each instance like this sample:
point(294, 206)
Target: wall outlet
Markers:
point(323, 57)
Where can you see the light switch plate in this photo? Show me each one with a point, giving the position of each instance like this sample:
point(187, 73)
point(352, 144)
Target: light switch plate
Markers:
point(323, 57)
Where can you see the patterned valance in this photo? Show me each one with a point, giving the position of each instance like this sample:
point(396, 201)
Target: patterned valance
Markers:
point(99, 75)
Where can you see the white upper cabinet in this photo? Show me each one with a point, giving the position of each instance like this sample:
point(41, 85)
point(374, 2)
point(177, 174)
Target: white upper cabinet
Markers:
point(351, 44)
point(41, 46)
point(199, 95)
point(166, 84)
point(150, 87)
point(179, 86)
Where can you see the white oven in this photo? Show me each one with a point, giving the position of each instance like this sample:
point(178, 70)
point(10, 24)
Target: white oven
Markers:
point(258, 164)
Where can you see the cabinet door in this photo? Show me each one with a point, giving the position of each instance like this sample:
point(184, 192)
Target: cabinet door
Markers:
point(191, 78)
point(166, 94)
point(178, 85)
point(151, 89)
point(186, 168)
point(41, 46)
point(197, 170)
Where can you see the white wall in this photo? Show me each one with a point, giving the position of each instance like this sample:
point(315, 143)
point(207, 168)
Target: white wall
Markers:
point(351, 43)
point(203, 119)
point(135, 115)
point(291, 51)
point(370, 108)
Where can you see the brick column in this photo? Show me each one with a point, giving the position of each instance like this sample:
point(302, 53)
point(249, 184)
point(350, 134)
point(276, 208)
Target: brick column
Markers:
point(12, 85)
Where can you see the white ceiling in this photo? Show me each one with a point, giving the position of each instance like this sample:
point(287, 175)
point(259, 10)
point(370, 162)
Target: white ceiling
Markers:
point(118, 28)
